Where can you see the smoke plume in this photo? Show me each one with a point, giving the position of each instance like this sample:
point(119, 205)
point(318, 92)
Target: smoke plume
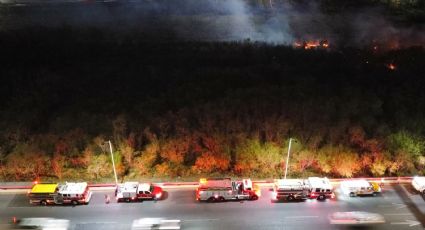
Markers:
point(277, 22)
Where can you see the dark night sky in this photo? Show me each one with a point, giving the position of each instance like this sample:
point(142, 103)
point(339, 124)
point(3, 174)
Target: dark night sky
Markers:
point(221, 20)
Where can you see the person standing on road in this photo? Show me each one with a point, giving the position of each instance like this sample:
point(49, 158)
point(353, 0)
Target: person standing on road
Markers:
point(107, 199)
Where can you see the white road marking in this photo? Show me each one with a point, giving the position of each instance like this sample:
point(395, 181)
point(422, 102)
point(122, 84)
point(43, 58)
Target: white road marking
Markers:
point(194, 220)
point(300, 217)
point(398, 214)
point(394, 205)
point(411, 223)
point(97, 223)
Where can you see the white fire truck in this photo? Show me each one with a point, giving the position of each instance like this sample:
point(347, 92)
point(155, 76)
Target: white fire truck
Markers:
point(135, 191)
point(418, 182)
point(359, 187)
point(290, 190)
point(223, 189)
point(68, 193)
point(319, 188)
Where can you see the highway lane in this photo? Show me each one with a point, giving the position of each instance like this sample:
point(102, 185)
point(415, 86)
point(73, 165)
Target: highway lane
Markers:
point(401, 207)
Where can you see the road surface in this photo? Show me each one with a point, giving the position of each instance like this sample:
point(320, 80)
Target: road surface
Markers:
point(401, 207)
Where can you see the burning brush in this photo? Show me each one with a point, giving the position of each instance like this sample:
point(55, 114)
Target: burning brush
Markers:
point(309, 45)
point(391, 66)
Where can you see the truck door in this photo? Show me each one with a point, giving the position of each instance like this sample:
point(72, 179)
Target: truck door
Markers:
point(147, 194)
point(140, 194)
point(58, 199)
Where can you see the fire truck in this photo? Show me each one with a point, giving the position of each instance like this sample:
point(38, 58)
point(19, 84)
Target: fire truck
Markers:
point(319, 188)
point(68, 193)
point(418, 182)
point(290, 190)
point(359, 188)
point(224, 189)
point(135, 191)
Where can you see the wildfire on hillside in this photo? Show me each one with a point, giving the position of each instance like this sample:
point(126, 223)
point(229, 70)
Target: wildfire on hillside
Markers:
point(387, 45)
point(391, 66)
point(313, 44)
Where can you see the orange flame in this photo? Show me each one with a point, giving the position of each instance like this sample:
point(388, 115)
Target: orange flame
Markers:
point(308, 45)
point(392, 66)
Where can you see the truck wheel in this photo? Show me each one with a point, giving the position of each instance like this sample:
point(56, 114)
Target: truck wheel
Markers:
point(321, 197)
point(127, 200)
point(74, 202)
point(43, 202)
point(374, 194)
point(211, 199)
point(221, 199)
point(290, 198)
point(352, 194)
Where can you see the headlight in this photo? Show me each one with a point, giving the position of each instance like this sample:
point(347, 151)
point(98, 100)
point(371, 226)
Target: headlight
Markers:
point(158, 195)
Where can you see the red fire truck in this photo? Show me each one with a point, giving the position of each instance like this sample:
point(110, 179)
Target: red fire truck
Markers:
point(222, 189)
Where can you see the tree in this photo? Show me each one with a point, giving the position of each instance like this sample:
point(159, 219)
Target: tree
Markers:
point(100, 166)
point(379, 168)
point(211, 163)
point(254, 158)
point(58, 163)
point(127, 152)
point(2, 162)
point(357, 136)
point(119, 128)
point(303, 160)
point(339, 160)
point(174, 150)
point(406, 142)
point(148, 157)
point(27, 162)
point(214, 155)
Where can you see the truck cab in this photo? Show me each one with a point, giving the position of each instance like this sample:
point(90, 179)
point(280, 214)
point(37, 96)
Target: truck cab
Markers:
point(149, 191)
point(319, 188)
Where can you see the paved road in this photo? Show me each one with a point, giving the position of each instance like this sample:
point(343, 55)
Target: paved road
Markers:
point(401, 207)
